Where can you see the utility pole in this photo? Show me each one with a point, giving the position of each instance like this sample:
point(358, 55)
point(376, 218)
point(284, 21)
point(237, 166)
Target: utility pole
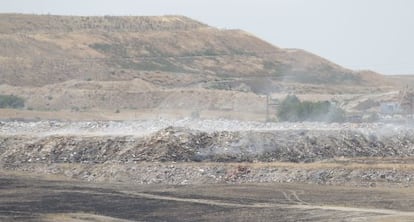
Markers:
point(269, 103)
point(412, 105)
point(267, 107)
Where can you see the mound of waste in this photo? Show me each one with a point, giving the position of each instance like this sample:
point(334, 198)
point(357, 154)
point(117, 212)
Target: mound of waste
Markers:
point(183, 144)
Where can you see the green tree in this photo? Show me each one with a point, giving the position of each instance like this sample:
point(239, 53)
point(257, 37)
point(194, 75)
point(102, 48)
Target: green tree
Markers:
point(289, 109)
point(11, 101)
point(293, 110)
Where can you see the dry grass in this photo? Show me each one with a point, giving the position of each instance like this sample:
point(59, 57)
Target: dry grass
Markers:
point(168, 55)
point(172, 44)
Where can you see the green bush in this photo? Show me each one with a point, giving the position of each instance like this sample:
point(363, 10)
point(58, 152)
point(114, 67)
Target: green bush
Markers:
point(293, 110)
point(11, 101)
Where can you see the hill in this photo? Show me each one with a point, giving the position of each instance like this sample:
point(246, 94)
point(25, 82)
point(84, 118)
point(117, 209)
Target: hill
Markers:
point(44, 49)
point(84, 62)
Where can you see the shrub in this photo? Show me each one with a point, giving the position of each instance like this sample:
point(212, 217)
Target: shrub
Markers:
point(11, 101)
point(75, 109)
point(293, 110)
point(195, 114)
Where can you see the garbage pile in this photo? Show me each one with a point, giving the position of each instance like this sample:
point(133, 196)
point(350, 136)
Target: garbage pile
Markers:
point(187, 145)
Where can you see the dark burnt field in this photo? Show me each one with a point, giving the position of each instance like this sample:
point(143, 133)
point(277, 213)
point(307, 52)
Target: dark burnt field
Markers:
point(31, 198)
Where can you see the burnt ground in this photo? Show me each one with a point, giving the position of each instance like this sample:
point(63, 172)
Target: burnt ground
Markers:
point(28, 198)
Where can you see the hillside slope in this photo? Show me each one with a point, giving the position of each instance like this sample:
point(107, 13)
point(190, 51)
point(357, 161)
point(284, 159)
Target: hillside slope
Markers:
point(159, 62)
point(41, 50)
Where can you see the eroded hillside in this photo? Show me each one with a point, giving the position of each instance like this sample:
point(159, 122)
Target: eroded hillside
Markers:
point(39, 50)
point(173, 62)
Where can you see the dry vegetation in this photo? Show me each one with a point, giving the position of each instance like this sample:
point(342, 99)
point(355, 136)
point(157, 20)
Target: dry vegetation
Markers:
point(88, 62)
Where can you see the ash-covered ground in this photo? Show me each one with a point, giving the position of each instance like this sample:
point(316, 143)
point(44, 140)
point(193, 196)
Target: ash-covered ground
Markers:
point(192, 151)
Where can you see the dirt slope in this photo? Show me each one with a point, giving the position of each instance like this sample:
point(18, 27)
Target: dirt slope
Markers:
point(40, 50)
point(169, 62)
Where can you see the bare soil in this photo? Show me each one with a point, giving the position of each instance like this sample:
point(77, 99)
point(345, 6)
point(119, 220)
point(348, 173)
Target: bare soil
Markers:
point(28, 198)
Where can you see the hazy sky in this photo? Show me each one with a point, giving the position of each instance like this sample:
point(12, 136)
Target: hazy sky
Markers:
point(359, 34)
